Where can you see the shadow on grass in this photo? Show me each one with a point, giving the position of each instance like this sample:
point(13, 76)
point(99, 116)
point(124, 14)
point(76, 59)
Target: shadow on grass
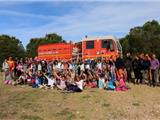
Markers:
point(135, 104)
point(30, 117)
point(93, 91)
point(105, 105)
point(117, 115)
point(3, 115)
point(65, 114)
point(85, 96)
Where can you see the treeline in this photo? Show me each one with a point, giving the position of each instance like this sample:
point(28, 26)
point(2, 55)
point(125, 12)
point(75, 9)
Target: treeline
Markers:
point(12, 46)
point(32, 47)
point(144, 39)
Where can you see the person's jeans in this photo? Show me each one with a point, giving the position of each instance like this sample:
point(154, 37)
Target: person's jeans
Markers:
point(146, 76)
point(129, 74)
point(154, 77)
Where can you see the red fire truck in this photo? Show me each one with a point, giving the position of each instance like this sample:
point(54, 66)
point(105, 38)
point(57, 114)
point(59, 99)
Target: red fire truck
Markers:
point(88, 48)
point(55, 51)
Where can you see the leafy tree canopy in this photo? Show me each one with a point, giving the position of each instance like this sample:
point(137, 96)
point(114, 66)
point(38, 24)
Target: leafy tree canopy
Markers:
point(10, 47)
point(35, 42)
point(144, 39)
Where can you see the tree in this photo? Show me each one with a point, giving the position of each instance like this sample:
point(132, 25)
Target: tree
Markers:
point(10, 46)
point(144, 39)
point(32, 47)
point(125, 44)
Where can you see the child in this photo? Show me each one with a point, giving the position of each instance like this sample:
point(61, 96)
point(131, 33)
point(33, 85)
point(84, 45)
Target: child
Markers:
point(62, 84)
point(38, 80)
point(51, 81)
point(77, 86)
point(111, 85)
point(80, 84)
point(101, 82)
point(92, 83)
point(22, 79)
point(121, 85)
point(19, 69)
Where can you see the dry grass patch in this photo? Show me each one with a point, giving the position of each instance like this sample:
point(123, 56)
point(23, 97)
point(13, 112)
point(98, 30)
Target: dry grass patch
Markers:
point(26, 103)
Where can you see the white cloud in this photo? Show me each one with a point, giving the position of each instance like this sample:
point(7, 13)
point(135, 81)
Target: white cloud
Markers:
point(22, 14)
point(105, 17)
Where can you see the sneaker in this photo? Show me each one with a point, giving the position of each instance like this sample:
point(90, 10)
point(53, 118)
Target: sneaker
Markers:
point(10, 82)
point(6, 82)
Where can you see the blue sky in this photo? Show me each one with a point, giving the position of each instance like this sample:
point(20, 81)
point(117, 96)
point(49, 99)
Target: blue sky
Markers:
point(74, 19)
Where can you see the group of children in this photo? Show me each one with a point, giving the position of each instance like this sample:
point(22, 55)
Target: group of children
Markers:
point(68, 76)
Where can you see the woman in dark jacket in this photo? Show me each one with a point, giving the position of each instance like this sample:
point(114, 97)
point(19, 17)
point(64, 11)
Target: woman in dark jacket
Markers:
point(136, 64)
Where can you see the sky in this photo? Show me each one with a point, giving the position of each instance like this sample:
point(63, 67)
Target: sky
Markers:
point(74, 19)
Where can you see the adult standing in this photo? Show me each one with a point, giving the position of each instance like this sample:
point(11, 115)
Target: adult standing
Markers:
point(136, 64)
point(11, 69)
point(119, 64)
point(146, 67)
point(154, 70)
point(141, 60)
point(5, 68)
point(128, 66)
point(11, 65)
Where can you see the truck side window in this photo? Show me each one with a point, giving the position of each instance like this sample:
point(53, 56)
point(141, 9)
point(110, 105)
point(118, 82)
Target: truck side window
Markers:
point(108, 44)
point(105, 44)
point(111, 46)
point(89, 44)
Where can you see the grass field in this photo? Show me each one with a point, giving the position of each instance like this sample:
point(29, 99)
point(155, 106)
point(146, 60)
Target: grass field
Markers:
point(25, 103)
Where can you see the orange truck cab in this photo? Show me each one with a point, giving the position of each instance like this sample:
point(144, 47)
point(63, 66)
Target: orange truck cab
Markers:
point(105, 46)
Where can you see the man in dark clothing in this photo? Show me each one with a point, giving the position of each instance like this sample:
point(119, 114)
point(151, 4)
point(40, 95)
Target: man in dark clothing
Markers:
point(136, 64)
point(44, 65)
point(146, 68)
point(141, 60)
point(128, 66)
point(119, 65)
point(119, 62)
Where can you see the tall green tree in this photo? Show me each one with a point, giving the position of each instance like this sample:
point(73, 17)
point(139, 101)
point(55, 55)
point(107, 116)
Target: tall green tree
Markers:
point(32, 46)
point(10, 46)
point(144, 39)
